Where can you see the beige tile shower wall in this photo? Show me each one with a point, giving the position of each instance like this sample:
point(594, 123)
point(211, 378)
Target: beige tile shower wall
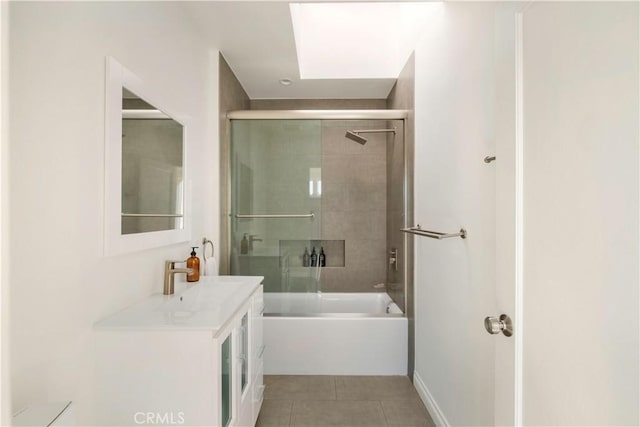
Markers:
point(232, 96)
point(318, 104)
point(401, 98)
point(395, 213)
point(354, 205)
point(279, 154)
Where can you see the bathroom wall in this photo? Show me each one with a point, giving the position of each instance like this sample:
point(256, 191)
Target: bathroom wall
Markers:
point(402, 97)
point(354, 204)
point(454, 278)
point(5, 384)
point(60, 281)
point(232, 97)
point(318, 104)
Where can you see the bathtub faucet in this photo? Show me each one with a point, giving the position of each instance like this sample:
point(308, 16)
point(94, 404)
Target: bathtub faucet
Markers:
point(170, 271)
point(252, 238)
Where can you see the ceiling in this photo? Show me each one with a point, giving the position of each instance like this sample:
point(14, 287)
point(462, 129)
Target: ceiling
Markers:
point(257, 40)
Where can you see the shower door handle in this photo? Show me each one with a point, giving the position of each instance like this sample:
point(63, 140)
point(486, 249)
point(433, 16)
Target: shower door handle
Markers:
point(495, 325)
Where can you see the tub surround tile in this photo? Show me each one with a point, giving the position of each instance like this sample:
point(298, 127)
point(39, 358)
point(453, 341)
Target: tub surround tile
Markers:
point(375, 388)
point(318, 104)
point(275, 413)
point(354, 204)
point(300, 387)
point(337, 414)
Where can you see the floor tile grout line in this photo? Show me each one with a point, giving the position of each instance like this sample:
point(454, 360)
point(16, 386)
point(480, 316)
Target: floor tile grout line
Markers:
point(335, 388)
point(384, 414)
point(291, 413)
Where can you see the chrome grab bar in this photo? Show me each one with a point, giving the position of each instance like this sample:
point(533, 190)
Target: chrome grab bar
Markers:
point(309, 215)
point(130, 215)
point(434, 234)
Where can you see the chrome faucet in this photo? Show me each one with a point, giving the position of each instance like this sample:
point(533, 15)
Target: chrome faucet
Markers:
point(169, 271)
point(252, 238)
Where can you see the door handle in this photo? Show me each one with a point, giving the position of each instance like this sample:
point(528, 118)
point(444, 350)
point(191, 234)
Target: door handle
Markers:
point(495, 325)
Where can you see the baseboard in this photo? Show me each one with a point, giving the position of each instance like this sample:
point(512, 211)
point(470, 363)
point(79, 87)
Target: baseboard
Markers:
point(434, 410)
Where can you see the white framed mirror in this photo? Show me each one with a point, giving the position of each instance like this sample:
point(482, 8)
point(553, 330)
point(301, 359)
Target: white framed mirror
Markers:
point(146, 191)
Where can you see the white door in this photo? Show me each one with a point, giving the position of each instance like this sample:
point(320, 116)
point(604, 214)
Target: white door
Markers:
point(578, 169)
point(567, 213)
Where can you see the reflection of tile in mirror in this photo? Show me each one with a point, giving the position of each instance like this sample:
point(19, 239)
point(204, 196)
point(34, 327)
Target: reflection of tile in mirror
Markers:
point(152, 174)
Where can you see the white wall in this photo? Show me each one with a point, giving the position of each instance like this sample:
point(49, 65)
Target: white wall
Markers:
point(581, 148)
point(5, 401)
point(60, 282)
point(453, 187)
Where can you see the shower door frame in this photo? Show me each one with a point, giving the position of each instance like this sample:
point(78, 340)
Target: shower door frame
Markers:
point(408, 165)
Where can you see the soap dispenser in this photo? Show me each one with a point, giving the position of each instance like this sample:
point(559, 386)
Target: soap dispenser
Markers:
point(244, 245)
point(193, 262)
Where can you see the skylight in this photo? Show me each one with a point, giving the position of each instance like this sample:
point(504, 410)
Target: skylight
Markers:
point(358, 40)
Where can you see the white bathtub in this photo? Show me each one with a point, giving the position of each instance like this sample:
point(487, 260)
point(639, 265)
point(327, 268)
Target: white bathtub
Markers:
point(334, 334)
point(315, 304)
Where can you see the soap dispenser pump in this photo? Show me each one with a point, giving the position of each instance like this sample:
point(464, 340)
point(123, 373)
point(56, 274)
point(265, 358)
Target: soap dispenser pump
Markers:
point(193, 262)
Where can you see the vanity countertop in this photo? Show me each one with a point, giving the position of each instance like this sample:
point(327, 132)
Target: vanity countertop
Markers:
point(204, 305)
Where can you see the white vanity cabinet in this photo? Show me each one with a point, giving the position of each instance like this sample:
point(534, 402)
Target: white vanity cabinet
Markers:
point(189, 373)
point(250, 383)
point(257, 349)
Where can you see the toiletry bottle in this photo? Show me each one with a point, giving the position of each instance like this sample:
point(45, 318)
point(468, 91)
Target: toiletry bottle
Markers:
point(193, 262)
point(322, 259)
point(244, 245)
point(305, 258)
point(314, 257)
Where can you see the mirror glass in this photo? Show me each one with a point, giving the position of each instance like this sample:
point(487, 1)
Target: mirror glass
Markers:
point(152, 168)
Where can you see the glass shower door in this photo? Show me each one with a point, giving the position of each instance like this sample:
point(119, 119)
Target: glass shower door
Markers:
point(276, 190)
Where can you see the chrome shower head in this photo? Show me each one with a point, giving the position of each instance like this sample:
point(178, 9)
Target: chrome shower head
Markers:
point(352, 135)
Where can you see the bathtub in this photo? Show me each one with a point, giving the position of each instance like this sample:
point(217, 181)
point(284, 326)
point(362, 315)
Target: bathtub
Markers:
point(334, 334)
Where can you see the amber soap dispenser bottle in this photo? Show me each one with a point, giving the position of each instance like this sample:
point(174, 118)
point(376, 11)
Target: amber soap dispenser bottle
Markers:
point(193, 262)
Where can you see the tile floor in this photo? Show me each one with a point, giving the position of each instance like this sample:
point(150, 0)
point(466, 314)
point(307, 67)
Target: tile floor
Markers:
point(341, 401)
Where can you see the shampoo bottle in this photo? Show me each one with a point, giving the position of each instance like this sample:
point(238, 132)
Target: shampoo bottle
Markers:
point(322, 259)
point(305, 258)
point(244, 245)
point(193, 262)
point(314, 257)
